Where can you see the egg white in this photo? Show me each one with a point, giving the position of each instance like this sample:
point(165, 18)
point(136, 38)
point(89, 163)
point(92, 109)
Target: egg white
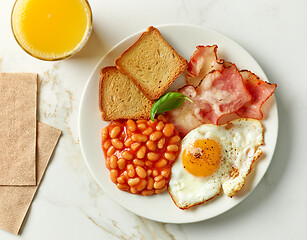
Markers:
point(240, 142)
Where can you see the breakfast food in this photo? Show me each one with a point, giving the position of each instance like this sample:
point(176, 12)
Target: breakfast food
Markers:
point(119, 98)
point(260, 92)
point(151, 63)
point(140, 154)
point(203, 61)
point(223, 91)
point(214, 157)
point(220, 93)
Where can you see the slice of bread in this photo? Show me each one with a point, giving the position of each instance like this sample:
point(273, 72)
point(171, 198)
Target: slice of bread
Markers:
point(151, 63)
point(120, 98)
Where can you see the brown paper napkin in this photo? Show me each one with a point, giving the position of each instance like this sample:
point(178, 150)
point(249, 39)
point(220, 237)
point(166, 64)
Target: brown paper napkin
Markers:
point(16, 200)
point(18, 94)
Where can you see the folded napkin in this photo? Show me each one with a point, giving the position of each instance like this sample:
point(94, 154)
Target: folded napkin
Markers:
point(18, 103)
point(16, 200)
point(25, 147)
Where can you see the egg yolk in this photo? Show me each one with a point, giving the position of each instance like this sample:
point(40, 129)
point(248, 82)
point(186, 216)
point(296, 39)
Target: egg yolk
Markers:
point(202, 158)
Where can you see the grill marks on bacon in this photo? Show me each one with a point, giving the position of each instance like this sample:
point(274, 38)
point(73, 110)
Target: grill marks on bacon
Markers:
point(203, 61)
point(260, 92)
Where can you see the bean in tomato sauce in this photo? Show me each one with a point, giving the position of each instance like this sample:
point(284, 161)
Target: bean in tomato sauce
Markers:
point(140, 154)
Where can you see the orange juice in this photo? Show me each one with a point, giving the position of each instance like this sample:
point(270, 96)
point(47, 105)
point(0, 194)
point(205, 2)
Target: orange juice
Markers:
point(51, 29)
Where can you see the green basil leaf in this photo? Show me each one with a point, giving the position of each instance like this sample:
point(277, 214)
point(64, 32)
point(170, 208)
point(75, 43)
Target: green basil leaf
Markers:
point(168, 102)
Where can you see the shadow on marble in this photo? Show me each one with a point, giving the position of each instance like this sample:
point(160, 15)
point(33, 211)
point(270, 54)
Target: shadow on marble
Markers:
point(93, 49)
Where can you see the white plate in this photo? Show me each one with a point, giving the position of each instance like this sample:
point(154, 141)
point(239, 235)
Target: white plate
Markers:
point(184, 38)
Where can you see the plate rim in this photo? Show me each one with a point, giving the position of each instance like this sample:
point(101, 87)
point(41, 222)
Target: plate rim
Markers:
point(93, 73)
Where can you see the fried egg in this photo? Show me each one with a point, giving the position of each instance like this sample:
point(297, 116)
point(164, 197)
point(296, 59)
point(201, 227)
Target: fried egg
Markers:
point(215, 157)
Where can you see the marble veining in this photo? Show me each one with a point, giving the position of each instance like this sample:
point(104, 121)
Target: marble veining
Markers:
point(56, 107)
point(71, 205)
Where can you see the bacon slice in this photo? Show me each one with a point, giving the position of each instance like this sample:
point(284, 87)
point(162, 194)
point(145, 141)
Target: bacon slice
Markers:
point(203, 61)
point(260, 92)
point(217, 88)
point(220, 92)
point(183, 118)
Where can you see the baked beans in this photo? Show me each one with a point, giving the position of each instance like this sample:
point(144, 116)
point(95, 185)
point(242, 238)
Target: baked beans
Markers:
point(127, 155)
point(117, 143)
point(155, 173)
point(158, 178)
point(168, 129)
point(161, 163)
point(165, 173)
point(104, 134)
point(163, 118)
point(148, 192)
point(151, 145)
point(174, 139)
point(120, 180)
point(131, 125)
point(107, 144)
point(149, 163)
point(122, 186)
point(170, 156)
point(133, 190)
point(161, 143)
point(155, 136)
point(121, 163)
point(133, 181)
point(152, 156)
point(114, 175)
point(139, 137)
point(111, 151)
point(159, 184)
point(161, 190)
point(141, 185)
point(141, 172)
point(150, 183)
point(142, 126)
point(140, 154)
point(128, 142)
point(115, 131)
point(135, 146)
point(138, 162)
point(148, 131)
point(160, 125)
point(172, 148)
point(113, 161)
point(141, 121)
point(130, 170)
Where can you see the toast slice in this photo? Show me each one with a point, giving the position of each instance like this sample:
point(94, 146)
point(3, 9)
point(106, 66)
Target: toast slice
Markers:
point(151, 63)
point(120, 98)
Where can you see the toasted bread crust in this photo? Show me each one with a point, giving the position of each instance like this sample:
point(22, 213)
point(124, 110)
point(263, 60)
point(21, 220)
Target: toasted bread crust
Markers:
point(151, 92)
point(138, 109)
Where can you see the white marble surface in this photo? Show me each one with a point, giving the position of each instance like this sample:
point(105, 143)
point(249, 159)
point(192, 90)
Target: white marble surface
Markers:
point(70, 205)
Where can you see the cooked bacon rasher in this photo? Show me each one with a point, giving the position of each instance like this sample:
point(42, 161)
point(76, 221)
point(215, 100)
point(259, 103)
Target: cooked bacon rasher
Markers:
point(220, 92)
point(203, 61)
point(260, 92)
point(183, 117)
point(217, 88)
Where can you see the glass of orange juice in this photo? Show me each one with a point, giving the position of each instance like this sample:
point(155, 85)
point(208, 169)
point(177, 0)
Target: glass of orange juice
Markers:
point(51, 29)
